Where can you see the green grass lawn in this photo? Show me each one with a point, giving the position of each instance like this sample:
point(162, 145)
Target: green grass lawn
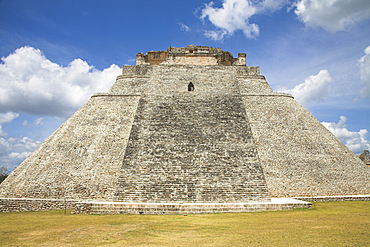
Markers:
point(328, 224)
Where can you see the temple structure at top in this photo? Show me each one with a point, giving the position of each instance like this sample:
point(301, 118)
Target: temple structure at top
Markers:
point(190, 55)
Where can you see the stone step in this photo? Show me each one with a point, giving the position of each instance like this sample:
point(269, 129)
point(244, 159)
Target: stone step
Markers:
point(186, 208)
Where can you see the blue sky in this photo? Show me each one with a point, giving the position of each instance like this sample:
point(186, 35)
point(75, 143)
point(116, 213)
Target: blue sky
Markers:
point(56, 54)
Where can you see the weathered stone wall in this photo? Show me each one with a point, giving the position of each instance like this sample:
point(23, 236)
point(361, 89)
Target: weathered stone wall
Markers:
point(190, 60)
point(81, 159)
point(155, 57)
point(190, 55)
point(256, 85)
point(169, 79)
point(252, 71)
point(241, 60)
point(300, 157)
point(32, 204)
point(365, 157)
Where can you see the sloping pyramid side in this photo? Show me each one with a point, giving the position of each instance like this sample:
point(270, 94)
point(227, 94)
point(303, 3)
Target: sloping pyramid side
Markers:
point(82, 158)
point(300, 157)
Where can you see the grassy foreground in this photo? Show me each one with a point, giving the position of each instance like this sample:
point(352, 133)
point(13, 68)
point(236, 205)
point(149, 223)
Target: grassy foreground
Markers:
point(329, 224)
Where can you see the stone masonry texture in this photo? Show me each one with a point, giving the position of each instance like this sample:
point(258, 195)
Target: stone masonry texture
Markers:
point(300, 157)
point(193, 149)
point(80, 160)
point(150, 140)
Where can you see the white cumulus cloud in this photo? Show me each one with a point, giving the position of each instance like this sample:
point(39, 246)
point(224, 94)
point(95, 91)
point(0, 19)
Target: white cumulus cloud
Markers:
point(2, 132)
point(6, 118)
point(332, 15)
point(356, 141)
point(25, 123)
point(365, 73)
point(184, 27)
point(32, 84)
point(234, 15)
point(14, 150)
point(39, 121)
point(4, 147)
point(23, 144)
point(314, 88)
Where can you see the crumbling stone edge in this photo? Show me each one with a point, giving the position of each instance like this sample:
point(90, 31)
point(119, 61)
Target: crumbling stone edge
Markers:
point(90, 207)
point(335, 198)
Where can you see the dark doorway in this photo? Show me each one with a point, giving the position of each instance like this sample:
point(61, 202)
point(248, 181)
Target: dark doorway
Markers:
point(191, 87)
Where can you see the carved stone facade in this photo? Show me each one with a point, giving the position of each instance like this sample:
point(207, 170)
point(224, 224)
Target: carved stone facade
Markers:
point(150, 139)
point(191, 55)
point(365, 157)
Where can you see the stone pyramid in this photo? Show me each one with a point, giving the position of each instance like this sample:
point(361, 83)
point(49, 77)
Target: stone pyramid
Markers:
point(187, 125)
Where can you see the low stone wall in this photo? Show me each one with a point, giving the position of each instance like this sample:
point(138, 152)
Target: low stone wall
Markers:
point(32, 204)
point(78, 207)
point(335, 198)
point(185, 208)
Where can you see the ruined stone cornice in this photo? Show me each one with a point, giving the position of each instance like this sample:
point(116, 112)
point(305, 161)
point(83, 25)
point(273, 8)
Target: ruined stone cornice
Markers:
point(269, 95)
point(113, 95)
point(132, 76)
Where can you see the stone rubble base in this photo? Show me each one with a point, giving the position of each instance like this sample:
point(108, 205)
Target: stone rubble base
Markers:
point(90, 207)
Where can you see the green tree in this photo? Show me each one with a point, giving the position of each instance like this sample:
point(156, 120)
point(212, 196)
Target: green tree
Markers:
point(3, 174)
